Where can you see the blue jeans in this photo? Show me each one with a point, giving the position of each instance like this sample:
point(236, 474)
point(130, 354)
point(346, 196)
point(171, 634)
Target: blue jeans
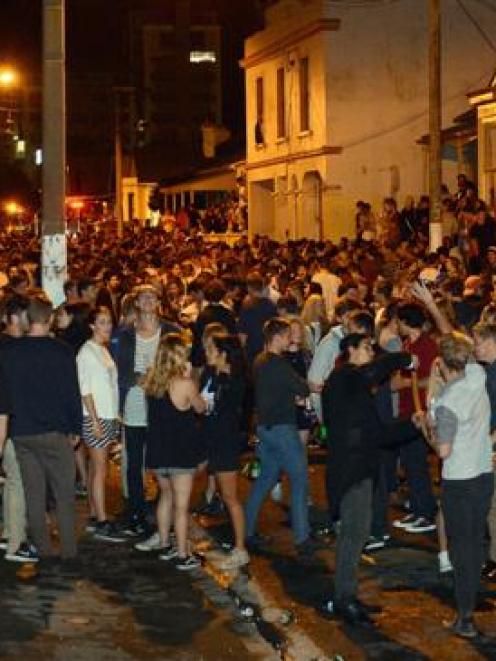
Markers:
point(280, 449)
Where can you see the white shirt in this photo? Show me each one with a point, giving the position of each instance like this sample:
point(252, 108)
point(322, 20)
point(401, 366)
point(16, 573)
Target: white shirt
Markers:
point(330, 284)
point(97, 375)
point(135, 409)
point(323, 362)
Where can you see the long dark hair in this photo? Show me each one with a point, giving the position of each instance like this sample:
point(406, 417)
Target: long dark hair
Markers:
point(231, 346)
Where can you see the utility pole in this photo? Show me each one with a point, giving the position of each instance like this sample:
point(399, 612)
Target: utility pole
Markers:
point(121, 94)
point(54, 250)
point(435, 115)
point(118, 165)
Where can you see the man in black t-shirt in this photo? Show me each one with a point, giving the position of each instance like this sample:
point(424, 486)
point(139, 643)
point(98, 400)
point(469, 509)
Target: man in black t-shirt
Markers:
point(256, 310)
point(45, 423)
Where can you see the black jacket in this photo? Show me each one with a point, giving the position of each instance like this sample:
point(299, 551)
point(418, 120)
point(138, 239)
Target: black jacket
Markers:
point(123, 350)
point(356, 430)
point(213, 312)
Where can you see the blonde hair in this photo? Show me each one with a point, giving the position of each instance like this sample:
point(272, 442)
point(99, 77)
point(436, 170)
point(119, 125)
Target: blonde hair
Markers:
point(456, 350)
point(314, 309)
point(297, 321)
point(170, 363)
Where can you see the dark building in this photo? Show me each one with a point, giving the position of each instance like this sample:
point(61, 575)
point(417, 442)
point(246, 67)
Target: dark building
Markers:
point(177, 61)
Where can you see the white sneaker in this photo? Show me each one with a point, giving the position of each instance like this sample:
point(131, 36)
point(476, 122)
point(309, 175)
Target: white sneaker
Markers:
point(150, 544)
point(405, 522)
point(234, 560)
point(276, 493)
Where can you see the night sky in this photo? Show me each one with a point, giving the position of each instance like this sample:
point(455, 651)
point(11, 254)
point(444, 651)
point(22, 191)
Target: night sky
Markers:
point(94, 30)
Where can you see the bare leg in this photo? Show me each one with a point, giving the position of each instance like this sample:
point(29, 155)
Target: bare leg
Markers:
point(91, 503)
point(164, 510)
point(228, 486)
point(211, 487)
point(98, 459)
point(441, 531)
point(181, 486)
point(81, 464)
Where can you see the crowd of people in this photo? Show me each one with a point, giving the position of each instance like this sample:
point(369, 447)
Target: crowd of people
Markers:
point(230, 215)
point(186, 350)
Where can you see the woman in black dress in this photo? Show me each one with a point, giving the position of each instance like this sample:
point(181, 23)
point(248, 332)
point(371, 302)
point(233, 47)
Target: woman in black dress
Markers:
point(173, 449)
point(224, 391)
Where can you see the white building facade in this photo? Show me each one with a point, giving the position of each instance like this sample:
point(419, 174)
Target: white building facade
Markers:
point(337, 101)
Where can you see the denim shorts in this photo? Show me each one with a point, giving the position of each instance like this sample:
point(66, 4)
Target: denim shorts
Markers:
point(172, 472)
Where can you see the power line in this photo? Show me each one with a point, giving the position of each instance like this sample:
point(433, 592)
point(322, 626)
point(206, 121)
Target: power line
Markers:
point(475, 23)
point(488, 4)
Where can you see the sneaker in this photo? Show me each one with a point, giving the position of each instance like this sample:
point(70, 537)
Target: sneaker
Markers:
point(420, 525)
point(187, 564)
point(136, 528)
point(168, 553)
point(150, 544)
point(235, 559)
point(91, 525)
point(445, 566)
point(375, 543)
point(25, 553)
point(203, 505)
point(215, 507)
point(3, 543)
point(405, 521)
point(81, 490)
point(488, 571)
point(463, 627)
point(107, 532)
point(257, 542)
point(306, 549)
point(276, 493)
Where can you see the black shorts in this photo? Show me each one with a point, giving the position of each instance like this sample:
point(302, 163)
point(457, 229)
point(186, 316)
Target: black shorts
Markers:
point(223, 456)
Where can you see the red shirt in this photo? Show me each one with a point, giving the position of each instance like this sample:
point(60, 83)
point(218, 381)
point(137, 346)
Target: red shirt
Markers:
point(426, 350)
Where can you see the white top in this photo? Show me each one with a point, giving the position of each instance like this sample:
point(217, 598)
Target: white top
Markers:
point(135, 409)
point(465, 403)
point(330, 284)
point(97, 374)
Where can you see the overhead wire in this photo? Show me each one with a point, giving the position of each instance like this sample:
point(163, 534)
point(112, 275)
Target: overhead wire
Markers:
point(477, 26)
point(489, 4)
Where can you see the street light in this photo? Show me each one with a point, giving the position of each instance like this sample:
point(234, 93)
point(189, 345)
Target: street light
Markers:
point(13, 208)
point(8, 77)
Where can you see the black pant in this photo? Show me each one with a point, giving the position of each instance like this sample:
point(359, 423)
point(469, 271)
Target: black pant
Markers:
point(413, 457)
point(356, 512)
point(465, 505)
point(135, 448)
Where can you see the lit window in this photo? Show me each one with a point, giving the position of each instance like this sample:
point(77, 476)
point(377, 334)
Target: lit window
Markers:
point(281, 104)
point(304, 96)
point(202, 56)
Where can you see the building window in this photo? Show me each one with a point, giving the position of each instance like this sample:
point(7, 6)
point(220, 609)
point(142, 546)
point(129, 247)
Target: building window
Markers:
point(259, 126)
point(202, 56)
point(281, 104)
point(304, 96)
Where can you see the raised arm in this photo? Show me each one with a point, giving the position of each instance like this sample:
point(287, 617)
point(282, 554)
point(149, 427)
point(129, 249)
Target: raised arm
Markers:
point(380, 368)
point(422, 294)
